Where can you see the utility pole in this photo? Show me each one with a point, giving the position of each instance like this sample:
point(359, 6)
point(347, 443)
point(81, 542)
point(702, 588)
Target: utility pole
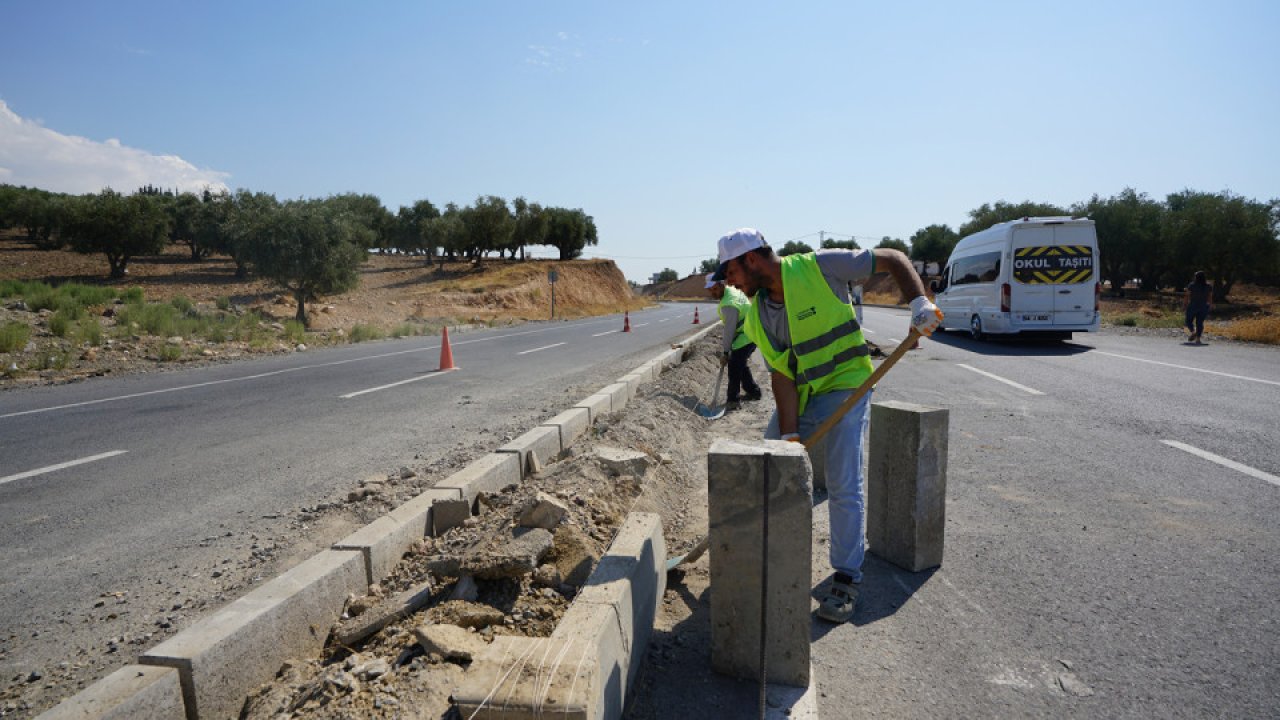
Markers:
point(821, 233)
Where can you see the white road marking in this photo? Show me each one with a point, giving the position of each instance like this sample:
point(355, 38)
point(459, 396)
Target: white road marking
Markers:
point(606, 332)
point(639, 324)
point(981, 610)
point(1251, 472)
point(1006, 381)
point(544, 347)
point(433, 373)
point(61, 466)
point(1186, 367)
point(894, 341)
point(868, 330)
point(259, 376)
point(664, 319)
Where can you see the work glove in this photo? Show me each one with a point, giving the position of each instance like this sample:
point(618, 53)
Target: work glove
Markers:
point(925, 316)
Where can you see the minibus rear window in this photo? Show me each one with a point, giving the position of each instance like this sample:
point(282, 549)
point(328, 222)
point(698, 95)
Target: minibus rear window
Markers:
point(982, 268)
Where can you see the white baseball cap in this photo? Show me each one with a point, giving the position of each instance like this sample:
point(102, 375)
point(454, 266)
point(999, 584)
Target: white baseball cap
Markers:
point(711, 281)
point(737, 243)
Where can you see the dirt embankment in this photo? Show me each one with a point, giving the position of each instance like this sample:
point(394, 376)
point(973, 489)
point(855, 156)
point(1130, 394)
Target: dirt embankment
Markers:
point(397, 295)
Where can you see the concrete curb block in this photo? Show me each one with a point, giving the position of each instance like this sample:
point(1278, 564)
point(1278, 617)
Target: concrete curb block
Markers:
point(134, 692)
point(224, 656)
point(571, 423)
point(633, 382)
point(599, 404)
point(489, 474)
point(543, 441)
point(384, 541)
point(210, 668)
point(588, 666)
point(618, 395)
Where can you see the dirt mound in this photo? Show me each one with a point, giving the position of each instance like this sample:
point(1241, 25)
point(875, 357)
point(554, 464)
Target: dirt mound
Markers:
point(692, 287)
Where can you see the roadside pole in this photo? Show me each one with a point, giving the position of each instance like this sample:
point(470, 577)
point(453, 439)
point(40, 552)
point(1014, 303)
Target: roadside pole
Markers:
point(552, 276)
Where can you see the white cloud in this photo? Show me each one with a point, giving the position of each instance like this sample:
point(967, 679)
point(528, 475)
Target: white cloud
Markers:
point(33, 155)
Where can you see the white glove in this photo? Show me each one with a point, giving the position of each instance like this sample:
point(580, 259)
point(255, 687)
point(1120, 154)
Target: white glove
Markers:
point(925, 316)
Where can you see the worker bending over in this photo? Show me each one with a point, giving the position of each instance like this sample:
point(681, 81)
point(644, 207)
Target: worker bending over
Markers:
point(801, 319)
point(737, 347)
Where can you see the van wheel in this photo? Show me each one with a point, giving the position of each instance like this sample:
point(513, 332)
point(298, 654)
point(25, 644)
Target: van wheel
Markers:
point(975, 328)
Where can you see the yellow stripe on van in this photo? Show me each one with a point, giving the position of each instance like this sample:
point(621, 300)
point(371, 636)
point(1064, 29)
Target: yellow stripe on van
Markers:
point(1041, 277)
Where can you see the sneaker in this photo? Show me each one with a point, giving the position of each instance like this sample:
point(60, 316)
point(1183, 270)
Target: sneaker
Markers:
point(732, 405)
point(838, 605)
point(752, 397)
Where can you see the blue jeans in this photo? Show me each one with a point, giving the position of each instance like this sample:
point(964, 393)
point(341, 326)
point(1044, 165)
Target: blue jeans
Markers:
point(846, 487)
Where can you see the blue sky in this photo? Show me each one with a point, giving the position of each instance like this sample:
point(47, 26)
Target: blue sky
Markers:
point(669, 123)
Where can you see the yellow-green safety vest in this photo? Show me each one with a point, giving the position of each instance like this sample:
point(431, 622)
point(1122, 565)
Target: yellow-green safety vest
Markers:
point(735, 297)
point(828, 351)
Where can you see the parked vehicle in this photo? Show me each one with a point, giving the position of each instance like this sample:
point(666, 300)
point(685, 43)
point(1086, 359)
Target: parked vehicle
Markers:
point(1034, 276)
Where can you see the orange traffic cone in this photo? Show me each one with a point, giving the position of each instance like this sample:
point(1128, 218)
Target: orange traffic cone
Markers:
point(446, 353)
point(695, 314)
point(626, 321)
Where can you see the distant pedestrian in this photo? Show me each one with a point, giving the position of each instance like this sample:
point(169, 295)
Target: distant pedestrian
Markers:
point(737, 347)
point(1198, 299)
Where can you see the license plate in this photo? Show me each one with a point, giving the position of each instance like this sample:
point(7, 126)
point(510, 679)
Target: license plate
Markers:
point(1035, 318)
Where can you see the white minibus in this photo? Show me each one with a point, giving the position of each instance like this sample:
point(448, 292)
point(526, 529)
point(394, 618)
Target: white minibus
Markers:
point(1034, 276)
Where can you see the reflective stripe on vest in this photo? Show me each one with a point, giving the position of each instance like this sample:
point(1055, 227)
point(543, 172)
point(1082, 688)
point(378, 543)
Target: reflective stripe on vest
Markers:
point(828, 351)
point(733, 296)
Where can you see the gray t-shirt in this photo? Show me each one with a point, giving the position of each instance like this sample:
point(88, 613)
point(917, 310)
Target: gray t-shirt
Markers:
point(841, 268)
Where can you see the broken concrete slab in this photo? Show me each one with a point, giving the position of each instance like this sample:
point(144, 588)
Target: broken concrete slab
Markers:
point(488, 474)
point(543, 442)
point(572, 423)
point(620, 461)
point(449, 514)
point(225, 655)
point(535, 678)
point(134, 692)
point(546, 512)
point(450, 641)
point(516, 557)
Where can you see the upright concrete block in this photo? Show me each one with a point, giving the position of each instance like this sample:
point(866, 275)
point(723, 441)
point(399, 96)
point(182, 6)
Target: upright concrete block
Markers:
point(735, 490)
point(572, 423)
point(907, 484)
point(224, 656)
point(489, 474)
point(134, 692)
point(543, 442)
point(599, 404)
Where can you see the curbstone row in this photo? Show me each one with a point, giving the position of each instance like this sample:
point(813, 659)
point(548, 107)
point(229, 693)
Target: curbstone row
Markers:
point(588, 666)
point(207, 670)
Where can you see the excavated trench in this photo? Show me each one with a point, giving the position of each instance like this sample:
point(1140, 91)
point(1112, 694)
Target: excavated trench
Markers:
point(401, 650)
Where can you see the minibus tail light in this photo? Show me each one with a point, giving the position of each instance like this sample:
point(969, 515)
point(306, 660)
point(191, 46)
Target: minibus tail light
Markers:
point(1097, 293)
point(1005, 292)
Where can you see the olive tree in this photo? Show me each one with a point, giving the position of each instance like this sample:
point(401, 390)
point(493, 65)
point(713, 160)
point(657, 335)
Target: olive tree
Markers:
point(117, 226)
point(309, 248)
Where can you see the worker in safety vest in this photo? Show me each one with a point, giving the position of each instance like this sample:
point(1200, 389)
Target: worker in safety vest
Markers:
point(737, 347)
point(802, 321)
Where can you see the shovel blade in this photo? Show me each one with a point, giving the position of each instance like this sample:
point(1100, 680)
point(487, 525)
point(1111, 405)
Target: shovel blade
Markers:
point(709, 413)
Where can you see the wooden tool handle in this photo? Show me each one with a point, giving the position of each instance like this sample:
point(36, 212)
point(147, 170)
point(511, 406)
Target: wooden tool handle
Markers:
point(863, 389)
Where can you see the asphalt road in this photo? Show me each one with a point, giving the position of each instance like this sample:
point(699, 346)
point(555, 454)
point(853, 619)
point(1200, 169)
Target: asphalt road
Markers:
point(119, 484)
point(1112, 542)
